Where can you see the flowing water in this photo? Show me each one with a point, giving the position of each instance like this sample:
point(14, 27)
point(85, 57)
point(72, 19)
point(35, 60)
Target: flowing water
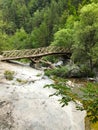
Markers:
point(26, 105)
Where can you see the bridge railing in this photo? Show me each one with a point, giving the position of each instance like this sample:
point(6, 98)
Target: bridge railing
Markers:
point(26, 53)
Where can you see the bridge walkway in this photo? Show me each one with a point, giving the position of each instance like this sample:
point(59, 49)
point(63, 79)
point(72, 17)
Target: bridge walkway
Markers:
point(34, 53)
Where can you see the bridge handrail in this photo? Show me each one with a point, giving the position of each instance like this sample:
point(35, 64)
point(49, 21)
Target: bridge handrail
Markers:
point(24, 53)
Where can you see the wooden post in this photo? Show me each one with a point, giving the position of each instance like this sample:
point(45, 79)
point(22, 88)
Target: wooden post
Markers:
point(35, 62)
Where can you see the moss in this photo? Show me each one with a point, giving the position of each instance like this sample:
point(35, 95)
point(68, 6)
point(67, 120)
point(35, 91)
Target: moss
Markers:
point(39, 74)
point(9, 75)
point(21, 81)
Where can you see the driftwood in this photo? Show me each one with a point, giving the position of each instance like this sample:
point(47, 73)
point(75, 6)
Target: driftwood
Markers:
point(48, 63)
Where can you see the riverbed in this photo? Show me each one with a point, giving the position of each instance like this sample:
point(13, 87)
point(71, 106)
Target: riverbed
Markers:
point(26, 105)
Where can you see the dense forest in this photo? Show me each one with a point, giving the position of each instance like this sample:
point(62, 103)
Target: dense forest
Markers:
point(38, 23)
point(69, 23)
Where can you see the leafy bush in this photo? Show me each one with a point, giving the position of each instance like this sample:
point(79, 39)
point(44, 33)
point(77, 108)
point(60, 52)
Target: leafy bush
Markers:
point(51, 58)
point(89, 99)
point(61, 72)
point(86, 95)
point(9, 75)
point(86, 71)
point(63, 37)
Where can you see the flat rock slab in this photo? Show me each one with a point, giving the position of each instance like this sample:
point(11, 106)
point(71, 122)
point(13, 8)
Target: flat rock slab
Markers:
point(29, 107)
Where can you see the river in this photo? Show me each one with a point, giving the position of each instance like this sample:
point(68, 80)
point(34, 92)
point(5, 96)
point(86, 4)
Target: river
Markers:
point(26, 105)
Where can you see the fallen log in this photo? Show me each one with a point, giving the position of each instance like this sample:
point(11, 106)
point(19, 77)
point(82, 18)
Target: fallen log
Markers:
point(48, 63)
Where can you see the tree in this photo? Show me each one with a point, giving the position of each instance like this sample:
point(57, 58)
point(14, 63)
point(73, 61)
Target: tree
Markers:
point(4, 42)
point(19, 40)
point(86, 35)
point(35, 5)
point(63, 38)
point(21, 16)
point(39, 36)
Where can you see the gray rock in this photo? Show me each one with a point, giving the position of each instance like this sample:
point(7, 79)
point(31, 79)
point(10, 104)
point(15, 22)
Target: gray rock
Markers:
point(29, 107)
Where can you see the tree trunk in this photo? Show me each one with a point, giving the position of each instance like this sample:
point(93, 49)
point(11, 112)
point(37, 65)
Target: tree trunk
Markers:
point(91, 64)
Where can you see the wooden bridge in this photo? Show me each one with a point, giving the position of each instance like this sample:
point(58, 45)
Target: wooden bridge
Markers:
point(34, 53)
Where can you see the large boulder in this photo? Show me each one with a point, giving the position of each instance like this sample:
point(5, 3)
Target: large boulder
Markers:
point(73, 71)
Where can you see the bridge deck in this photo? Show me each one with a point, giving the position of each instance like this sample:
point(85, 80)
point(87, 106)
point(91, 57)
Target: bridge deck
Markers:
point(33, 53)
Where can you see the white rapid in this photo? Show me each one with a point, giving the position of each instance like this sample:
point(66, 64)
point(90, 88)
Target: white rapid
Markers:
point(27, 106)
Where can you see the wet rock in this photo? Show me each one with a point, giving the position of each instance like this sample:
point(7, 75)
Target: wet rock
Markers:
point(73, 71)
point(91, 79)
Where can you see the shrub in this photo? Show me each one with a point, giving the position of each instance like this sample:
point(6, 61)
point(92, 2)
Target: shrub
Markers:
point(86, 71)
point(61, 72)
point(87, 95)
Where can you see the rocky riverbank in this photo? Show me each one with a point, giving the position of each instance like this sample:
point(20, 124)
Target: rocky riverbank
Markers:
point(26, 105)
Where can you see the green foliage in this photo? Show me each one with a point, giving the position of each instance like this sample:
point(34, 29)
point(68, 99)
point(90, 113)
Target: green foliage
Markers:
point(4, 41)
point(73, 24)
point(9, 75)
point(61, 72)
point(70, 22)
point(39, 36)
point(51, 58)
point(95, 1)
point(19, 40)
point(86, 98)
point(40, 19)
point(6, 27)
point(63, 38)
point(86, 72)
point(70, 71)
point(16, 12)
point(86, 35)
point(89, 99)
point(61, 89)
